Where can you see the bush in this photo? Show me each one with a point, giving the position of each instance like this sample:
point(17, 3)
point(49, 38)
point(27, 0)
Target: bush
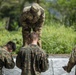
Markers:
point(56, 39)
point(15, 36)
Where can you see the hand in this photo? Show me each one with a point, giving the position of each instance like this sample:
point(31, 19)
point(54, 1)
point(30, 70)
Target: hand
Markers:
point(66, 68)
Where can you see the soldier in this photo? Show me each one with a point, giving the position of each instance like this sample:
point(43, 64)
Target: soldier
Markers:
point(6, 59)
point(72, 61)
point(32, 60)
point(32, 19)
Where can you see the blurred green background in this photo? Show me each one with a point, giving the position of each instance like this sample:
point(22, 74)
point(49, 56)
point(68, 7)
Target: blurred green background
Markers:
point(59, 29)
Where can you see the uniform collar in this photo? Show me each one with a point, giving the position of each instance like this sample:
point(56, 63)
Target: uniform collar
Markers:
point(32, 45)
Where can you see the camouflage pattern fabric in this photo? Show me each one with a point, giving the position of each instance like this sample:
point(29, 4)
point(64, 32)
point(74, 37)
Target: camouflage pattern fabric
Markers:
point(32, 60)
point(6, 60)
point(32, 19)
point(72, 61)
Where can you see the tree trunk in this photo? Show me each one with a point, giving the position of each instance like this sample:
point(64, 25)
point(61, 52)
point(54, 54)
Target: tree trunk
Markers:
point(7, 21)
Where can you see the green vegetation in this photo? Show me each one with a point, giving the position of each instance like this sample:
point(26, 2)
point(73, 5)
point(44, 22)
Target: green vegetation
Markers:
point(58, 32)
point(63, 11)
point(55, 38)
point(15, 36)
point(58, 39)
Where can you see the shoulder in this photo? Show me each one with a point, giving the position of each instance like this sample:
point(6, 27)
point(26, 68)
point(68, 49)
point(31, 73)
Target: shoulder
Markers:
point(42, 9)
point(2, 50)
point(40, 50)
point(4, 53)
point(74, 48)
point(73, 51)
point(26, 9)
point(24, 49)
point(42, 12)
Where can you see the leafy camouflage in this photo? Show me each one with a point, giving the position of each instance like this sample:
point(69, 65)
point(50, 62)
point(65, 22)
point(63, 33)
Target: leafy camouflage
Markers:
point(72, 61)
point(6, 60)
point(32, 60)
point(32, 18)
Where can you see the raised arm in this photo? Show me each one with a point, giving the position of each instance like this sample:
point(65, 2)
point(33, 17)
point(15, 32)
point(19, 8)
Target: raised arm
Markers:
point(71, 63)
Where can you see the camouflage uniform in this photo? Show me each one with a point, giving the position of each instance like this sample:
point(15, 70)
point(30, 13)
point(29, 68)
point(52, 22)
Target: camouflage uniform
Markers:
point(6, 60)
point(32, 60)
point(72, 61)
point(32, 19)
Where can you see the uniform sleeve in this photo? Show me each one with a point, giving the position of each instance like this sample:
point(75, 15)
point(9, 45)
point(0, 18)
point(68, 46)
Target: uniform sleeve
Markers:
point(9, 62)
point(41, 20)
point(42, 17)
point(18, 60)
point(22, 19)
point(72, 61)
point(25, 16)
point(44, 64)
point(40, 23)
